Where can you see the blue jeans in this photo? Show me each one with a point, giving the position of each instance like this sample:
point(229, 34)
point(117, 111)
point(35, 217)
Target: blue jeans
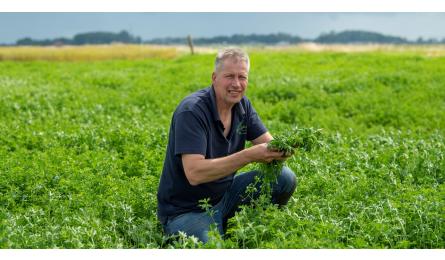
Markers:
point(198, 223)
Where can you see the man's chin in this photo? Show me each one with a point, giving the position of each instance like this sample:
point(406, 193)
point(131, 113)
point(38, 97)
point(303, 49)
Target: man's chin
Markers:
point(234, 100)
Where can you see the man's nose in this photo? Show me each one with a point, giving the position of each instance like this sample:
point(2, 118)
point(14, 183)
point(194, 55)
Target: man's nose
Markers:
point(235, 82)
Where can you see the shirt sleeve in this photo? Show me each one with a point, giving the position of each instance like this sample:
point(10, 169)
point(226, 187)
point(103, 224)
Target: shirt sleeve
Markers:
point(255, 127)
point(190, 134)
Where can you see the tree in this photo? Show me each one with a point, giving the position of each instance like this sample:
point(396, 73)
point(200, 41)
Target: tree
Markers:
point(358, 37)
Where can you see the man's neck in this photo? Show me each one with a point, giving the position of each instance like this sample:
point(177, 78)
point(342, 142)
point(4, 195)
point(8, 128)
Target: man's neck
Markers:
point(224, 110)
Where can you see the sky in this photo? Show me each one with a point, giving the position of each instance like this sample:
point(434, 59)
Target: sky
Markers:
point(14, 26)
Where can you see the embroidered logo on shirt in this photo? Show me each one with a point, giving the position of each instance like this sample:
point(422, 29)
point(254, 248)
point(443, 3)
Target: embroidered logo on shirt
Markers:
point(241, 129)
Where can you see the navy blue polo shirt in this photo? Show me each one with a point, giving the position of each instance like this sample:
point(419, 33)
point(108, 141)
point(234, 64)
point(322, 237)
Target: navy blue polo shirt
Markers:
point(197, 129)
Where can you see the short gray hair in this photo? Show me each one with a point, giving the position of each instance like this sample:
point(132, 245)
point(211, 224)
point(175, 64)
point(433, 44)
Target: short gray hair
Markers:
point(233, 53)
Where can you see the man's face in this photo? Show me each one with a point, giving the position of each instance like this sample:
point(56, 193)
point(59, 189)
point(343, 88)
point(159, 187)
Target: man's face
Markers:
point(230, 81)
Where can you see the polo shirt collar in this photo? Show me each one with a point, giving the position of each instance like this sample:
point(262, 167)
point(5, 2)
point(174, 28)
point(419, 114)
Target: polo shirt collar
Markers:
point(238, 107)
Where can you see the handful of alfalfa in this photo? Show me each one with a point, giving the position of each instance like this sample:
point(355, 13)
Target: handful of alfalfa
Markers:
point(289, 142)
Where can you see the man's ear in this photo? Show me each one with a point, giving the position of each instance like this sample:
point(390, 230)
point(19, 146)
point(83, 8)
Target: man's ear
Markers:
point(213, 77)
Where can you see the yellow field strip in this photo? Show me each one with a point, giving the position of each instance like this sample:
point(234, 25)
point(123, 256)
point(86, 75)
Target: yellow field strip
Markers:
point(139, 52)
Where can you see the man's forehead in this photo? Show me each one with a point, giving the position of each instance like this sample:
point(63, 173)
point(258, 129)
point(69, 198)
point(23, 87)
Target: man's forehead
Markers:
point(234, 63)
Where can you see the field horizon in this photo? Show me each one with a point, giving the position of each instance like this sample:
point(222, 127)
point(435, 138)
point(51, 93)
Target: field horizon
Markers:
point(120, 51)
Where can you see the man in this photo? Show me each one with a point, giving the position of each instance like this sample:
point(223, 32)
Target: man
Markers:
point(207, 146)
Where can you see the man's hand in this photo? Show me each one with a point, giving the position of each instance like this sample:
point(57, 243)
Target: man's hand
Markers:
point(261, 153)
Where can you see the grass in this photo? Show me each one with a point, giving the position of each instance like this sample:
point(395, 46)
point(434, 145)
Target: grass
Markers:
point(87, 52)
point(82, 145)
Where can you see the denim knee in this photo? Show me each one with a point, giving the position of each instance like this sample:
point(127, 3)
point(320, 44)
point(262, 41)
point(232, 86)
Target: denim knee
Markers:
point(288, 180)
point(193, 224)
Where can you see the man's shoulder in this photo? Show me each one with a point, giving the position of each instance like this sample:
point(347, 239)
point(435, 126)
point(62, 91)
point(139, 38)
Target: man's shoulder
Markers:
point(195, 102)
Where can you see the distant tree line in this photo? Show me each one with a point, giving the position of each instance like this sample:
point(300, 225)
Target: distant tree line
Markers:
point(344, 37)
point(359, 37)
point(348, 37)
point(85, 38)
point(279, 38)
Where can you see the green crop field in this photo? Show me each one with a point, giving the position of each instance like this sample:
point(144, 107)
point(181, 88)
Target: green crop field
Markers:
point(82, 145)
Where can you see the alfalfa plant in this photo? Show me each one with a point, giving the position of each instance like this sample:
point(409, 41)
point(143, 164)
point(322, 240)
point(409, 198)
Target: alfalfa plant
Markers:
point(288, 142)
point(247, 229)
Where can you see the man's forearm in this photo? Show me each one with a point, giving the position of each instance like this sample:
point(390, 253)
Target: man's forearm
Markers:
point(207, 170)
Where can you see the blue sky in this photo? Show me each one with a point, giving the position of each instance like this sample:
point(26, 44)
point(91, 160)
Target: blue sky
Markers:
point(155, 25)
